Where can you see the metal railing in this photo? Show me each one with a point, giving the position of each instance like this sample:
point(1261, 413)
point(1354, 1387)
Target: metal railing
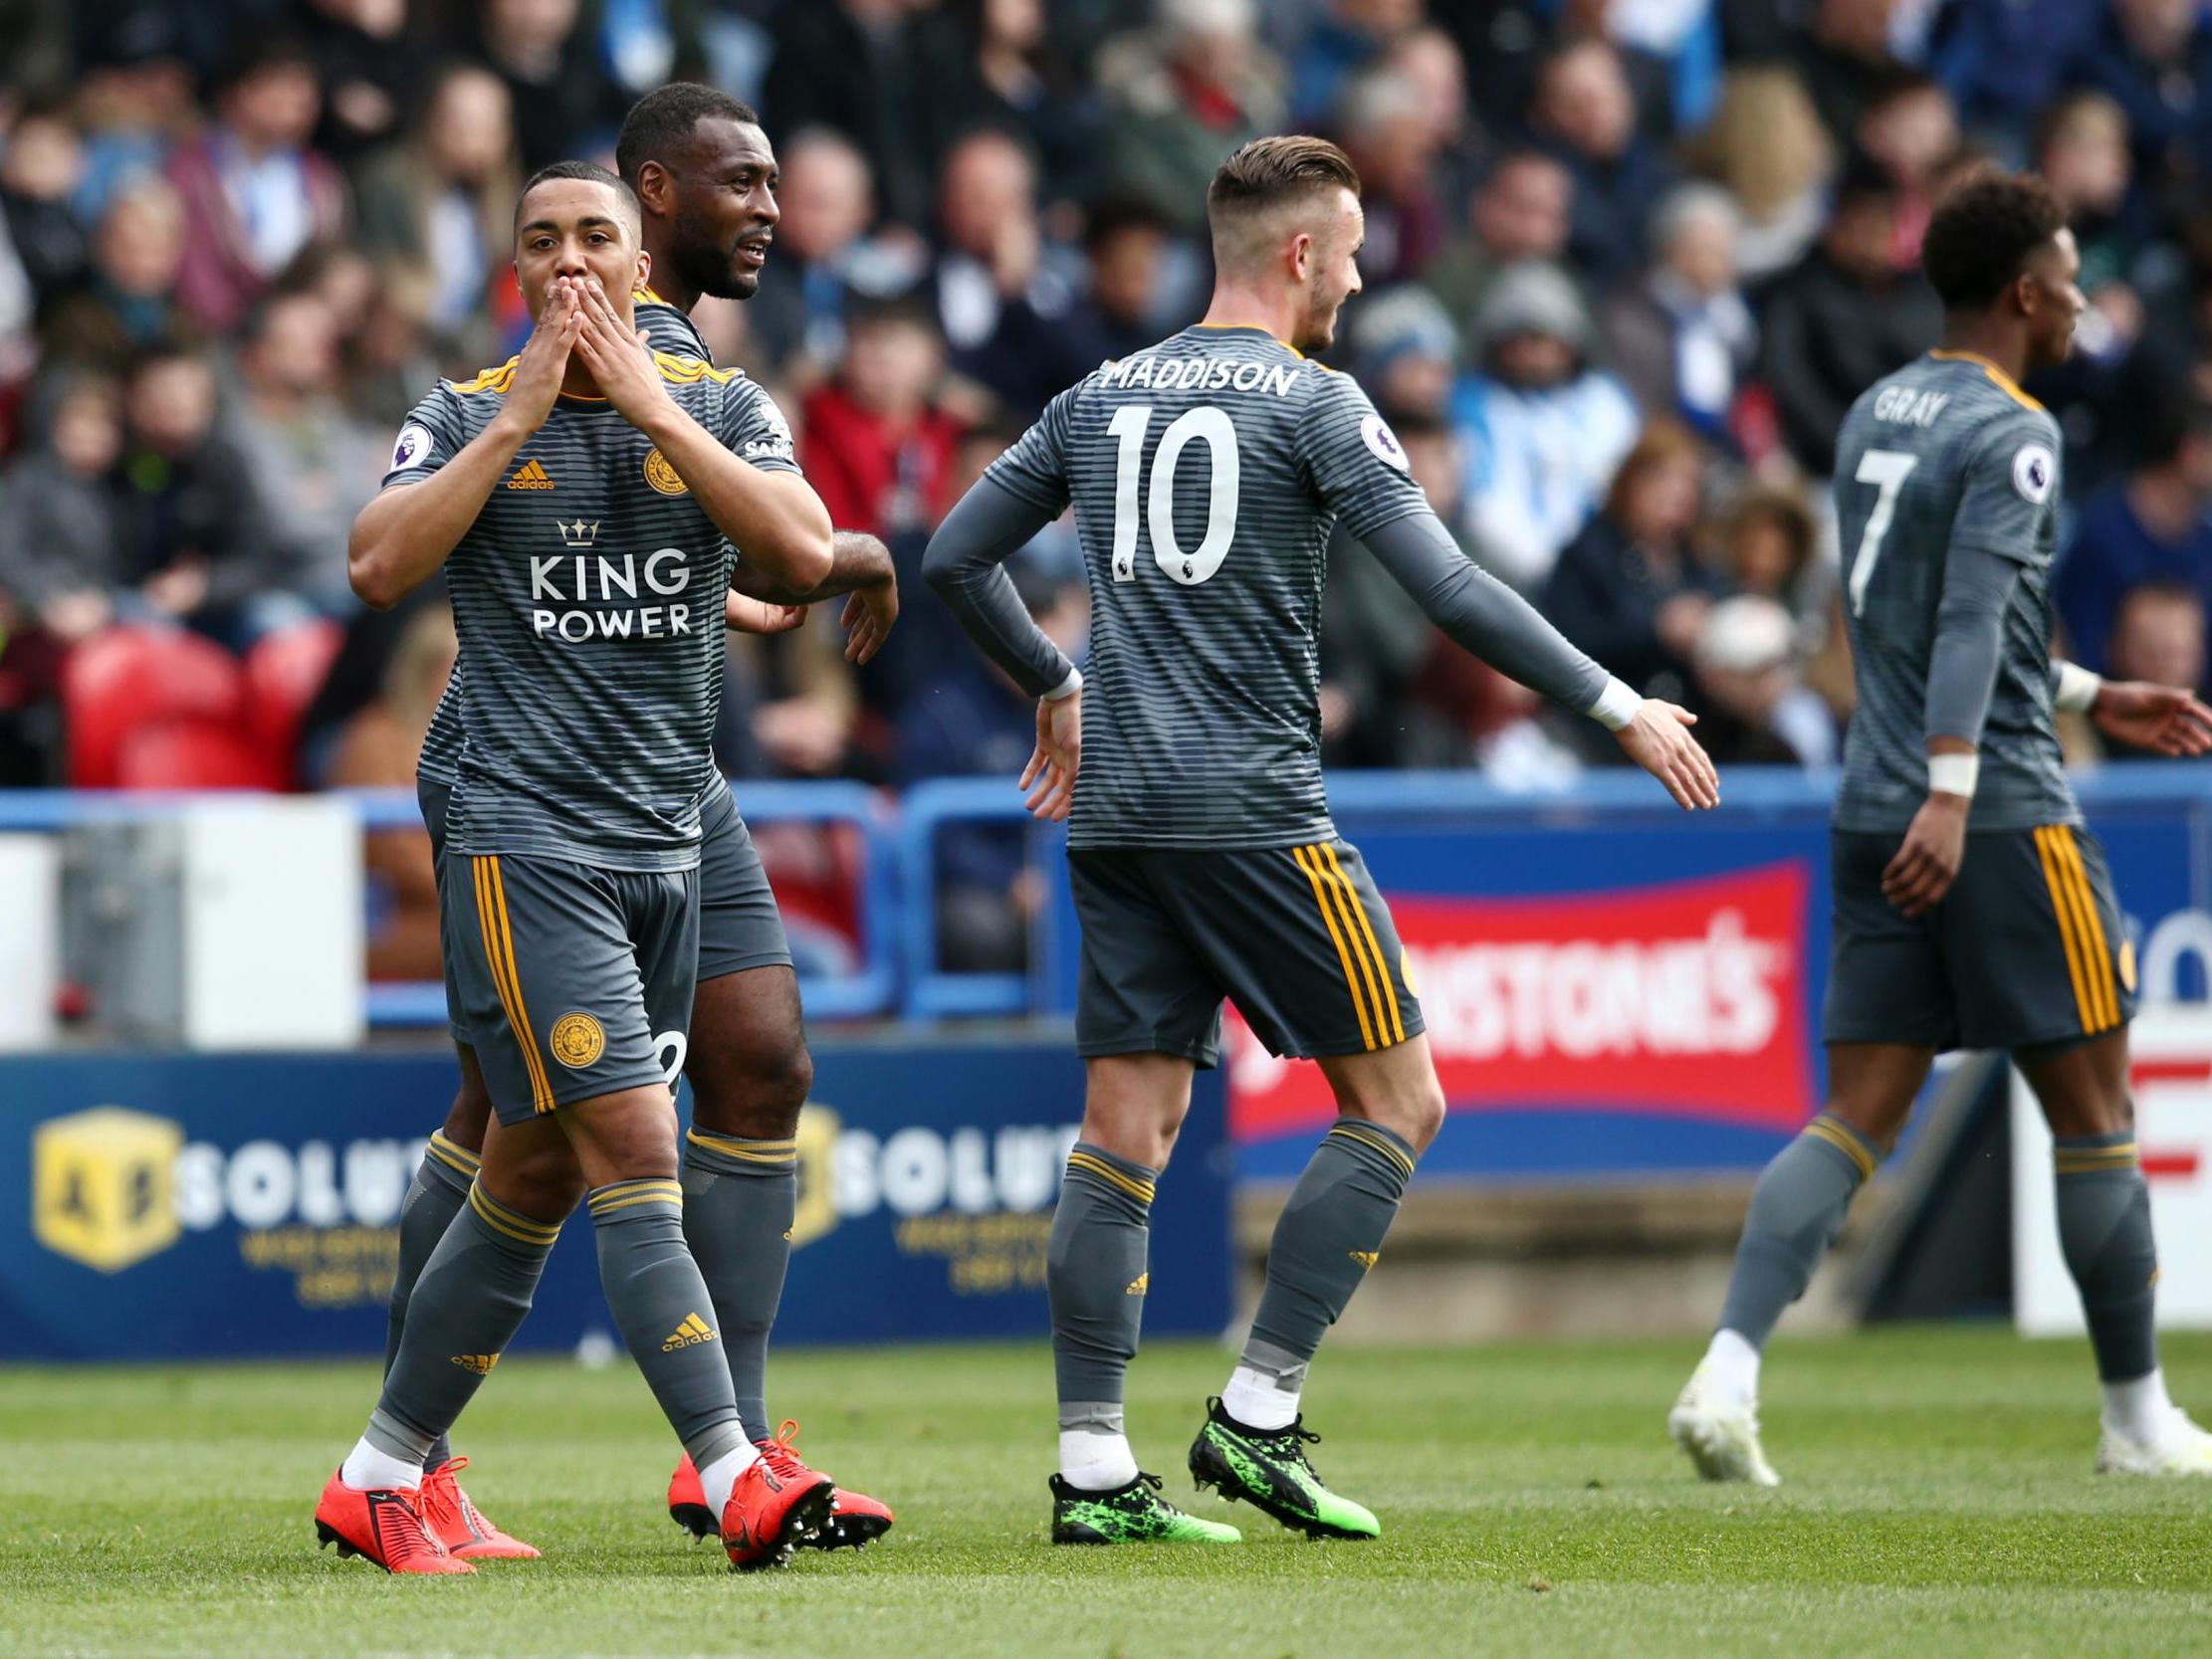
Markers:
point(899, 972)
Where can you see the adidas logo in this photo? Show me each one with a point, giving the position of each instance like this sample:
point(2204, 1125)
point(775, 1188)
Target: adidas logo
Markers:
point(1367, 1258)
point(480, 1363)
point(690, 1333)
point(1139, 1285)
point(531, 474)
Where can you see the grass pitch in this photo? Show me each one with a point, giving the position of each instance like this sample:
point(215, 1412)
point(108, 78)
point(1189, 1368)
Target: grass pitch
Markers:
point(1940, 1501)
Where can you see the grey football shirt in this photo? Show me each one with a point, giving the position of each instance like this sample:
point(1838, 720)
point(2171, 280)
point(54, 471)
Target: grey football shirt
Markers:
point(1206, 472)
point(588, 596)
point(668, 329)
point(1946, 453)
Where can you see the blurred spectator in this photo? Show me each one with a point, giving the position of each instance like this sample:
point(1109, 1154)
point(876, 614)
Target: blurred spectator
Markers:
point(1680, 336)
point(824, 254)
point(445, 198)
point(378, 749)
point(2159, 636)
point(135, 101)
point(1751, 709)
point(1680, 41)
point(58, 537)
point(1345, 40)
point(1125, 244)
point(1585, 115)
point(1429, 65)
point(1000, 304)
point(2151, 530)
point(875, 447)
point(1766, 146)
point(563, 99)
point(1181, 96)
point(388, 349)
point(190, 542)
point(369, 69)
point(1845, 59)
point(1519, 211)
point(1004, 69)
point(40, 169)
point(1376, 640)
point(2155, 59)
point(2081, 151)
point(1767, 545)
point(313, 464)
point(1912, 131)
point(130, 303)
point(1844, 319)
point(1392, 140)
point(1403, 352)
point(863, 67)
point(2003, 59)
point(968, 719)
point(254, 194)
point(1543, 428)
point(1629, 589)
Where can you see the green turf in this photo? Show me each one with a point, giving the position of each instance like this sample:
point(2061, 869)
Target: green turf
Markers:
point(1939, 1500)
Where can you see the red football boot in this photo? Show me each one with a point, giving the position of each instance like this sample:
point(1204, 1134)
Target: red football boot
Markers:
point(858, 1518)
point(384, 1526)
point(768, 1517)
point(458, 1525)
point(687, 1502)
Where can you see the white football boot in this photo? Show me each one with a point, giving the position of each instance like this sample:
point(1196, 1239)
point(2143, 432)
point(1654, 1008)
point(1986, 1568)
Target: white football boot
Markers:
point(1719, 1429)
point(2176, 1447)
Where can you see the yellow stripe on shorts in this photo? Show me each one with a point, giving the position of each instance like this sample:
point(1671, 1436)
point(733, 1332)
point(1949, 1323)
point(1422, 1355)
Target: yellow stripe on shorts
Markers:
point(1310, 863)
point(2062, 904)
point(1387, 993)
point(2097, 953)
point(498, 950)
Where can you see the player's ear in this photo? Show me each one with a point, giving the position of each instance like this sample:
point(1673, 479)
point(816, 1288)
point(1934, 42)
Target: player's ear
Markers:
point(653, 186)
point(1301, 256)
point(645, 277)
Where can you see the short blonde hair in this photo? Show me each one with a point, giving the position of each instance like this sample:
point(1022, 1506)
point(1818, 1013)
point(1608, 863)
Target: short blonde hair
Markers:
point(1273, 172)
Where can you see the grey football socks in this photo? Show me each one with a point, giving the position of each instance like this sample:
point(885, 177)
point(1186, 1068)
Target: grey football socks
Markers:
point(434, 1198)
point(740, 1200)
point(2104, 1234)
point(467, 1305)
point(1797, 1209)
point(661, 1305)
point(1095, 1279)
point(1329, 1234)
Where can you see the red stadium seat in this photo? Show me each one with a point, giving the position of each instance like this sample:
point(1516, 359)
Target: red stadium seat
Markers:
point(191, 754)
point(126, 679)
point(284, 672)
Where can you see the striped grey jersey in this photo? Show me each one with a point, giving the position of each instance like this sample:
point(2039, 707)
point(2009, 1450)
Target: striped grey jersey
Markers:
point(1206, 472)
point(1946, 453)
point(669, 329)
point(588, 596)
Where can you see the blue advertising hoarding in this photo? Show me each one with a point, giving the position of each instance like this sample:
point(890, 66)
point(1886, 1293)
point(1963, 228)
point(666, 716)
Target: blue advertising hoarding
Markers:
point(170, 1207)
point(1615, 989)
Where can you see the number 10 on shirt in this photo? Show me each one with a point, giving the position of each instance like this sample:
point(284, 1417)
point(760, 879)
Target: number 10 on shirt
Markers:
point(1207, 423)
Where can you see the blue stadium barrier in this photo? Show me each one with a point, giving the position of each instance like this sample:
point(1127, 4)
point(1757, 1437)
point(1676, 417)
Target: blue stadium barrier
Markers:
point(868, 992)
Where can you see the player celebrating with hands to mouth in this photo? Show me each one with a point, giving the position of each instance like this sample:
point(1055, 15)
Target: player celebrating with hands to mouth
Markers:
point(592, 647)
point(705, 175)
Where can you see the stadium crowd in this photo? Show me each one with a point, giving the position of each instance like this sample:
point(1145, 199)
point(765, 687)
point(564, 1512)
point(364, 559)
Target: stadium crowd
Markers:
point(1628, 263)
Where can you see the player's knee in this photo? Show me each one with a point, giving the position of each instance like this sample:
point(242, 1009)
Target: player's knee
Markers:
point(471, 1113)
point(756, 1094)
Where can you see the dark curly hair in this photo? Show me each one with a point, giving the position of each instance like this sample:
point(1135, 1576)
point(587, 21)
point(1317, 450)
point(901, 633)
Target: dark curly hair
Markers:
point(1983, 231)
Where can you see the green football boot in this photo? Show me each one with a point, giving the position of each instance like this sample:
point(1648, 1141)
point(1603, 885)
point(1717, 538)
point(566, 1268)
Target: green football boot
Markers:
point(1269, 1471)
point(1132, 1514)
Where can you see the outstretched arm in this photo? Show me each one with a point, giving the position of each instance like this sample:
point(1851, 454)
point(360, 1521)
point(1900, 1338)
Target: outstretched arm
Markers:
point(1487, 619)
